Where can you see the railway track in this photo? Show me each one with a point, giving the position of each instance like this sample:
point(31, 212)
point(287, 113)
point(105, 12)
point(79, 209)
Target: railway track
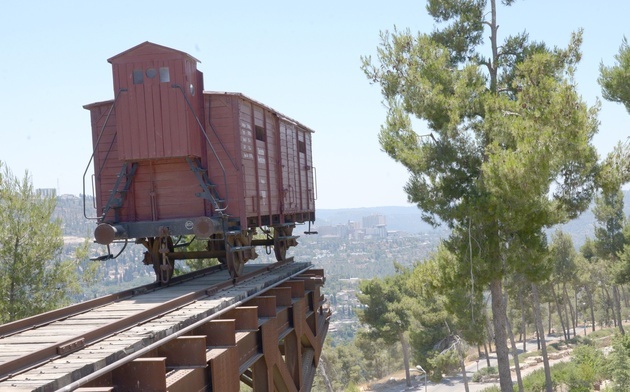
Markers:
point(205, 332)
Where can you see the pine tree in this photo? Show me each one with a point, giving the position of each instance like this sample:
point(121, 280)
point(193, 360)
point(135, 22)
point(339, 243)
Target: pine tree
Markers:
point(614, 79)
point(509, 151)
point(609, 240)
point(33, 278)
point(388, 311)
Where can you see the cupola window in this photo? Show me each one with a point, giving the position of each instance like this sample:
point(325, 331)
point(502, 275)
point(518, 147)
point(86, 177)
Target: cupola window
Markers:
point(138, 76)
point(165, 75)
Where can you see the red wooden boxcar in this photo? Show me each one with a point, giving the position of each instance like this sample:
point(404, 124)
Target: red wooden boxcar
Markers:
point(171, 159)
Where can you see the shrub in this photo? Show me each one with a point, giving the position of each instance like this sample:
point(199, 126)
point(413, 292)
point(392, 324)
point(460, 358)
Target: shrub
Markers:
point(589, 363)
point(443, 363)
point(490, 370)
point(576, 377)
point(535, 382)
point(619, 365)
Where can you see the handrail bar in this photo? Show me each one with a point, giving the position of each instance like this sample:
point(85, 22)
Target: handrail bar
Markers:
point(177, 86)
point(98, 140)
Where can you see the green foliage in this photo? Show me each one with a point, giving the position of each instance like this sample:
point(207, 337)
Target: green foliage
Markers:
point(388, 306)
point(352, 387)
point(587, 368)
point(343, 365)
point(388, 310)
point(509, 151)
point(622, 269)
point(535, 382)
point(614, 79)
point(445, 362)
point(590, 365)
point(88, 270)
point(608, 211)
point(444, 308)
point(619, 365)
point(380, 358)
point(486, 371)
point(33, 277)
point(563, 255)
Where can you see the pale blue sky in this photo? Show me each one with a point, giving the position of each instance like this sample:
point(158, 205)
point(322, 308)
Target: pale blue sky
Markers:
point(301, 58)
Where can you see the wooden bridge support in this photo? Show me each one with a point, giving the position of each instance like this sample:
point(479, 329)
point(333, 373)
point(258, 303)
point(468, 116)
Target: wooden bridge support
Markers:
point(271, 343)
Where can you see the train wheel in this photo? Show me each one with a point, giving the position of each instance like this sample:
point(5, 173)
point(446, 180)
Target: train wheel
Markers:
point(282, 240)
point(157, 248)
point(217, 243)
point(167, 266)
point(235, 257)
point(235, 260)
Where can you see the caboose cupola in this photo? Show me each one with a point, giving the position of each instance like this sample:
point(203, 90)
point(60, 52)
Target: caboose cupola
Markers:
point(159, 103)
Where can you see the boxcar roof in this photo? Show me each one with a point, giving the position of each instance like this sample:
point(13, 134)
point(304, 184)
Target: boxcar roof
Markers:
point(95, 104)
point(241, 95)
point(149, 48)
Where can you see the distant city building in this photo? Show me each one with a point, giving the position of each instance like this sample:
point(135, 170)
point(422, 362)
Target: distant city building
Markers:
point(46, 192)
point(352, 225)
point(379, 231)
point(374, 220)
point(374, 226)
point(340, 231)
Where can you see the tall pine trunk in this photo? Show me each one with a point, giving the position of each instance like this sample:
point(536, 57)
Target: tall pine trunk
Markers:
point(462, 364)
point(568, 300)
point(524, 325)
point(589, 295)
point(609, 308)
point(559, 309)
point(517, 366)
point(500, 335)
point(543, 343)
point(485, 349)
point(405, 349)
point(617, 299)
point(549, 307)
point(490, 337)
point(537, 334)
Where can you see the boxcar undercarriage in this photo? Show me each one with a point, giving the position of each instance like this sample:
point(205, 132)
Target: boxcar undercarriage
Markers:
point(231, 248)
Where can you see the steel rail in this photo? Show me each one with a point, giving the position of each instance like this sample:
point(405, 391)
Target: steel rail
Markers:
point(40, 320)
point(183, 331)
point(59, 349)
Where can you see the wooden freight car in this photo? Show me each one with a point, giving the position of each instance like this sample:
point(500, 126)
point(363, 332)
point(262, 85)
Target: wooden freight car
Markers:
point(172, 160)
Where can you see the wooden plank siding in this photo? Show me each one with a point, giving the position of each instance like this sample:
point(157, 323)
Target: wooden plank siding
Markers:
point(223, 123)
point(164, 189)
point(266, 156)
point(156, 122)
